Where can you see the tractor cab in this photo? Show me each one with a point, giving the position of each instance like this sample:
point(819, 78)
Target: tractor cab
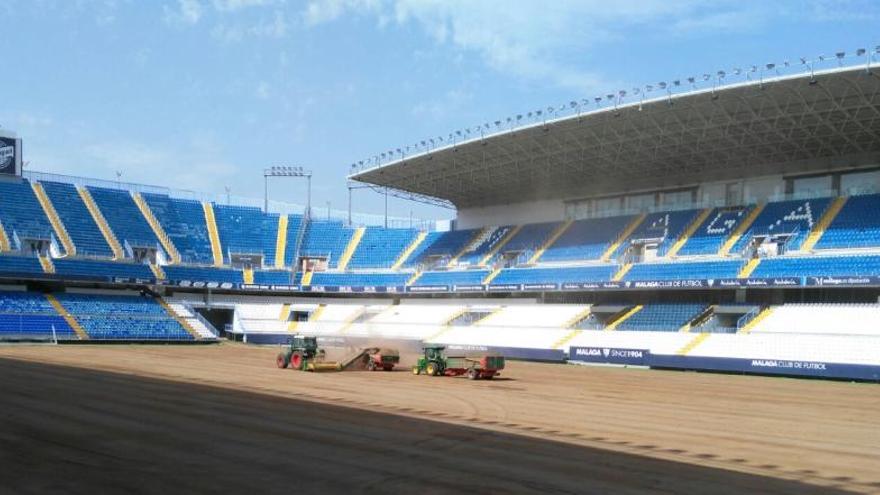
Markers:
point(309, 345)
point(434, 353)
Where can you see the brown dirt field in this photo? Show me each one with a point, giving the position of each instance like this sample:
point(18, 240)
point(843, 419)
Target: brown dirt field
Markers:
point(208, 419)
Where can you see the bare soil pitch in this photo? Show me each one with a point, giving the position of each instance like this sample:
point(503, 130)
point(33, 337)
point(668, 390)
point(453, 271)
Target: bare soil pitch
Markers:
point(209, 419)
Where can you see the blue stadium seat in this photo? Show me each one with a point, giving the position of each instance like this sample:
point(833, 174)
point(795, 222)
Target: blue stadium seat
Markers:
point(124, 217)
point(444, 246)
point(586, 239)
point(415, 256)
point(816, 266)
point(13, 264)
point(857, 225)
point(114, 317)
point(177, 273)
point(21, 213)
point(665, 226)
point(693, 270)
point(246, 230)
point(360, 279)
point(184, 222)
point(450, 278)
point(795, 217)
point(711, 234)
point(273, 277)
point(80, 225)
point(488, 241)
point(102, 270)
point(662, 317)
point(326, 238)
point(380, 248)
point(294, 225)
point(28, 315)
point(529, 239)
point(562, 275)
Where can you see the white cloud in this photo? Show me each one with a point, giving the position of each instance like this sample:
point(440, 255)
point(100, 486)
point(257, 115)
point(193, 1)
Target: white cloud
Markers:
point(187, 12)
point(262, 90)
point(275, 28)
point(233, 5)
point(321, 11)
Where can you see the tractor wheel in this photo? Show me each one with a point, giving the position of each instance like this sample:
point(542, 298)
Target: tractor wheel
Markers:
point(416, 370)
point(388, 368)
point(473, 374)
point(296, 361)
point(281, 360)
point(431, 369)
point(488, 377)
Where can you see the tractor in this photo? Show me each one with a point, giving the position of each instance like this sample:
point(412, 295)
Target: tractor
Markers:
point(434, 362)
point(302, 353)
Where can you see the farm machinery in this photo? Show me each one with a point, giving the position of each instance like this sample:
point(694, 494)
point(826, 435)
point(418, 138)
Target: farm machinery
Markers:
point(302, 353)
point(435, 362)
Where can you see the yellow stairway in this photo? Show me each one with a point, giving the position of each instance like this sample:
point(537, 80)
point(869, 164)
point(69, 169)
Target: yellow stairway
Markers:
point(500, 244)
point(748, 268)
point(754, 321)
point(281, 241)
point(823, 223)
point(621, 272)
point(156, 226)
point(306, 279)
point(77, 328)
point(616, 323)
point(99, 219)
point(54, 219)
point(550, 240)
point(699, 339)
point(46, 263)
point(491, 276)
point(185, 324)
point(4, 239)
point(689, 232)
point(480, 233)
point(350, 249)
point(623, 236)
point(413, 279)
point(409, 251)
point(741, 229)
point(158, 272)
point(248, 275)
point(211, 222)
point(285, 312)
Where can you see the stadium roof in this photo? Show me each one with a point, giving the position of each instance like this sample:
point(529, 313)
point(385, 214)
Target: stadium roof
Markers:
point(794, 124)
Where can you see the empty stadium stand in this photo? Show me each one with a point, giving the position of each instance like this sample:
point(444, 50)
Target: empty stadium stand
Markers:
point(124, 218)
point(711, 234)
point(452, 277)
point(117, 317)
point(184, 222)
point(828, 266)
point(30, 316)
point(586, 239)
point(80, 225)
point(857, 225)
point(574, 274)
point(661, 317)
point(685, 270)
point(380, 248)
point(792, 219)
point(21, 215)
point(326, 239)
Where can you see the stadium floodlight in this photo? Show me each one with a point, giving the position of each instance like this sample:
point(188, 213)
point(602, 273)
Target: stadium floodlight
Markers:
point(706, 77)
point(649, 88)
point(770, 66)
point(676, 83)
point(860, 52)
point(662, 84)
point(598, 100)
point(286, 171)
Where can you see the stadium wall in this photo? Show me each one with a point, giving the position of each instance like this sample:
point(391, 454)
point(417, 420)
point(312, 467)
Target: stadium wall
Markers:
point(515, 214)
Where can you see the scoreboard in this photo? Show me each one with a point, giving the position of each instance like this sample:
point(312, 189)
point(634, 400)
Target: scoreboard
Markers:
point(10, 153)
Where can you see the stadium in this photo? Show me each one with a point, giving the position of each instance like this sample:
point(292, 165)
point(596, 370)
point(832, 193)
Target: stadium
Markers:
point(692, 247)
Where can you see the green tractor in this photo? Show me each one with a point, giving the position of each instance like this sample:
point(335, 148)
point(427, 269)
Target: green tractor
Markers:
point(302, 353)
point(434, 362)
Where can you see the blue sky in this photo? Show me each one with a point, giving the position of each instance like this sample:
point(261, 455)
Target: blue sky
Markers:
point(203, 94)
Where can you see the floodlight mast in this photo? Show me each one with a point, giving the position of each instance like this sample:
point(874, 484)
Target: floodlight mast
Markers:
point(285, 171)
